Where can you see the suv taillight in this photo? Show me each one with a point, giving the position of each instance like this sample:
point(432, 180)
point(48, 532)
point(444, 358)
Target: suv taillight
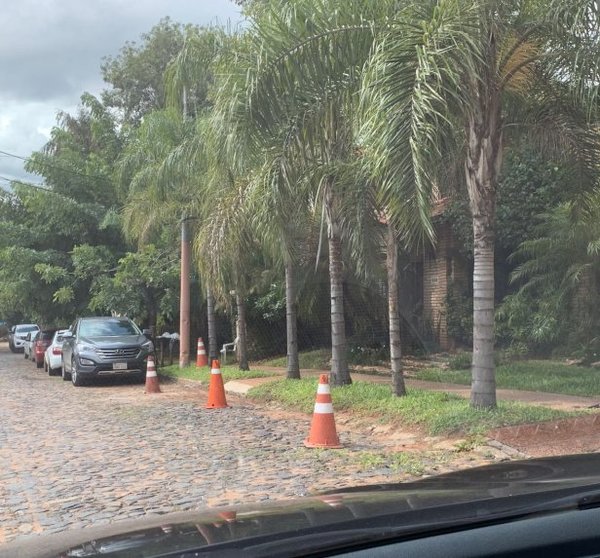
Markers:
point(56, 350)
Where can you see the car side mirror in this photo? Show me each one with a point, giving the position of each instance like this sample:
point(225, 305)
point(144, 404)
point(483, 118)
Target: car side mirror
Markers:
point(67, 335)
point(12, 329)
point(147, 333)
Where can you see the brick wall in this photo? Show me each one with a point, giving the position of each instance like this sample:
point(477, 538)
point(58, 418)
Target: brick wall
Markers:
point(435, 285)
point(442, 269)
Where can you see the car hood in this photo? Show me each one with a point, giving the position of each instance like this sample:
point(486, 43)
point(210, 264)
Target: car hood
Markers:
point(113, 341)
point(278, 528)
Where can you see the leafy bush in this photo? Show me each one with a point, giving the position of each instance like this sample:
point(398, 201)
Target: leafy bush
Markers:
point(531, 324)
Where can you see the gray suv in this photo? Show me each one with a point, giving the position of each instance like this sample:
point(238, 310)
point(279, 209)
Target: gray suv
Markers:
point(104, 346)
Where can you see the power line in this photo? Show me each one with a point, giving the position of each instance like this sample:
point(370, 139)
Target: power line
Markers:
point(36, 186)
point(52, 166)
point(13, 155)
point(30, 184)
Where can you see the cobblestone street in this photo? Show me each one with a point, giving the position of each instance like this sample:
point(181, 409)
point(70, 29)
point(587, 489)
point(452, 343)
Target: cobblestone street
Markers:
point(72, 457)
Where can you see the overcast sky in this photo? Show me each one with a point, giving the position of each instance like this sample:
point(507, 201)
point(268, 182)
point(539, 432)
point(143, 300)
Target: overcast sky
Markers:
point(51, 51)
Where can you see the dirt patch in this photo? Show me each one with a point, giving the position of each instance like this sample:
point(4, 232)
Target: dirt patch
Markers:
point(577, 435)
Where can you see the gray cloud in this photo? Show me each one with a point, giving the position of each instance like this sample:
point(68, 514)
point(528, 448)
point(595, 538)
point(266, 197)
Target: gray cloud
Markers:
point(51, 51)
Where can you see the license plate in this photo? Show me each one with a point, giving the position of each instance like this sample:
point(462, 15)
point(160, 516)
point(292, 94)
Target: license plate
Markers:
point(119, 366)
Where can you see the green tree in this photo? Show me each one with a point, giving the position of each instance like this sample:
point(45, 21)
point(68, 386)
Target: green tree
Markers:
point(189, 78)
point(468, 73)
point(477, 72)
point(144, 285)
point(314, 97)
point(136, 74)
point(77, 205)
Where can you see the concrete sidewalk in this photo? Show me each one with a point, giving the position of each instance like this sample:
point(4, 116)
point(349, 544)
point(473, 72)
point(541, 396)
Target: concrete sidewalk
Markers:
point(544, 399)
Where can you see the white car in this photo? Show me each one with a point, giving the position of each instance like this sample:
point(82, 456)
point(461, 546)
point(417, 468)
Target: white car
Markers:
point(53, 354)
point(18, 335)
point(28, 344)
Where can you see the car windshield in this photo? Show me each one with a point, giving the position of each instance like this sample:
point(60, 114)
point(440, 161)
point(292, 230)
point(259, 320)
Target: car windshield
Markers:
point(301, 246)
point(107, 328)
point(26, 328)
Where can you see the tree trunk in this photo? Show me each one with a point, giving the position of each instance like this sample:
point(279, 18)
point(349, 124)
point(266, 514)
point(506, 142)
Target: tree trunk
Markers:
point(340, 374)
point(391, 262)
point(213, 351)
point(242, 345)
point(484, 157)
point(291, 316)
point(483, 387)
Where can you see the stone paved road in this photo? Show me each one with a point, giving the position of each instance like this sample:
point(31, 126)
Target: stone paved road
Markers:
point(73, 457)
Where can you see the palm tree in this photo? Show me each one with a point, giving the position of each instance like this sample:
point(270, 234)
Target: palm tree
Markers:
point(479, 73)
point(188, 79)
point(319, 113)
point(276, 196)
point(282, 220)
point(436, 69)
point(225, 235)
point(152, 200)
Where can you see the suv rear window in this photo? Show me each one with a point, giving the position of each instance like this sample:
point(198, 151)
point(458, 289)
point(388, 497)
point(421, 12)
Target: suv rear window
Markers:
point(109, 328)
point(47, 335)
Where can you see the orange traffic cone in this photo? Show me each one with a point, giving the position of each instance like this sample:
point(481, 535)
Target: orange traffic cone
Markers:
point(201, 358)
point(216, 390)
point(151, 377)
point(322, 430)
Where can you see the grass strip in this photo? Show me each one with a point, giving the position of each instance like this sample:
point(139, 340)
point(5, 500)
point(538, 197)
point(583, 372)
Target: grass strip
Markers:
point(203, 374)
point(532, 375)
point(435, 412)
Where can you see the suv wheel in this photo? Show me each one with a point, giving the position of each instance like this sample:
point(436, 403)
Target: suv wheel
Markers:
point(75, 377)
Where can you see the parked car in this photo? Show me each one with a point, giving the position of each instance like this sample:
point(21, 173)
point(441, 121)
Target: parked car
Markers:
point(40, 344)
point(102, 346)
point(53, 354)
point(18, 334)
point(28, 344)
